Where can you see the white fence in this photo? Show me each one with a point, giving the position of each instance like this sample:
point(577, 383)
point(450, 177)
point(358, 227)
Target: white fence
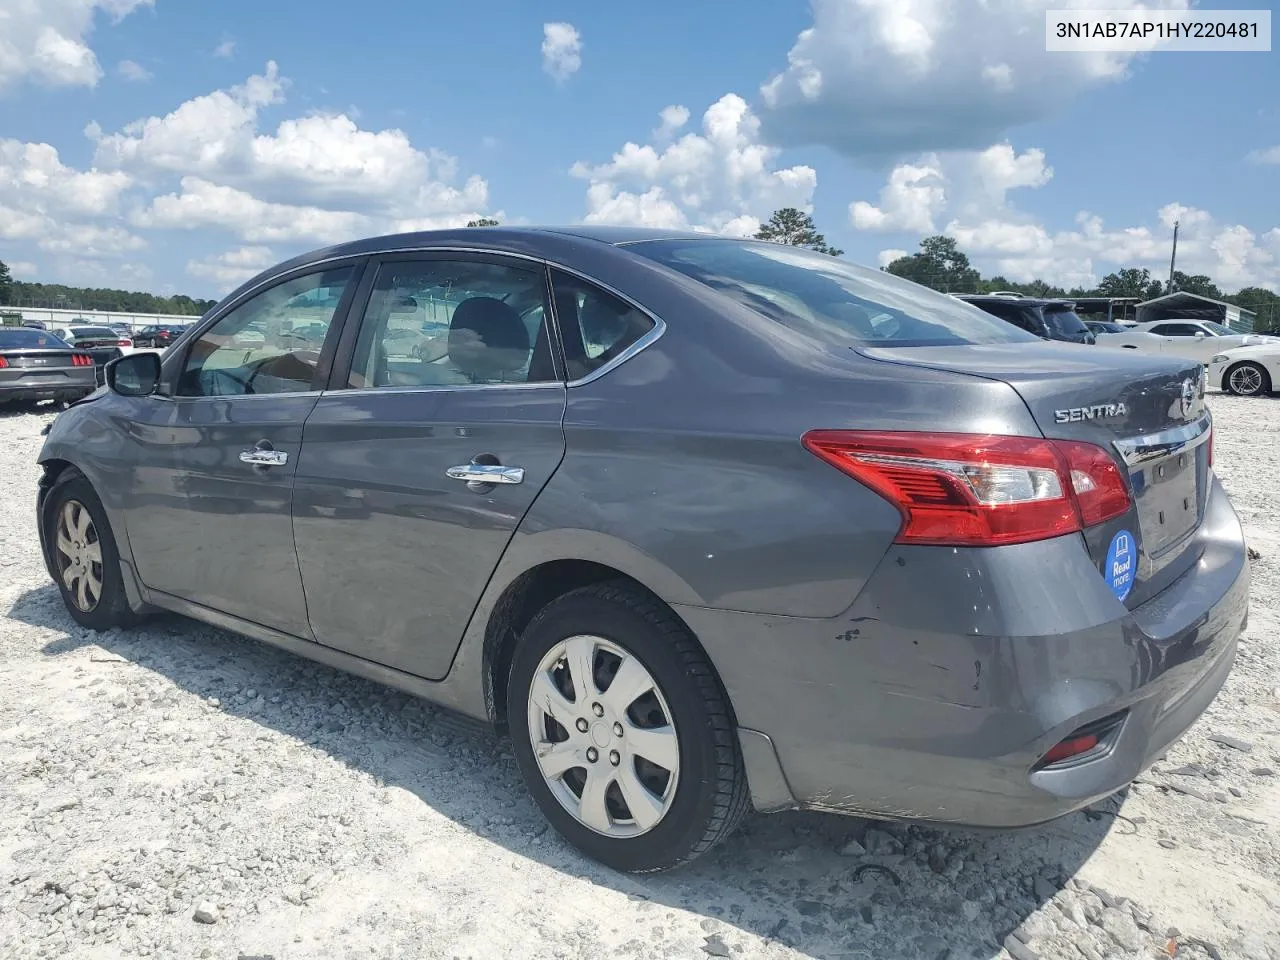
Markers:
point(57, 317)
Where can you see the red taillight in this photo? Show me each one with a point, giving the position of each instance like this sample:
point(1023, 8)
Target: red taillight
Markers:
point(1071, 747)
point(3, 363)
point(1099, 489)
point(81, 360)
point(979, 490)
point(124, 343)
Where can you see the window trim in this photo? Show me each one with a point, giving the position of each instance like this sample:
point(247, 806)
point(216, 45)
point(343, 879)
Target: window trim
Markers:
point(355, 318)
point(175, 363)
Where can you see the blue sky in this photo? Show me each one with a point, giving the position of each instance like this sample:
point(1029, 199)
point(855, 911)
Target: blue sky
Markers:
point(147, 144)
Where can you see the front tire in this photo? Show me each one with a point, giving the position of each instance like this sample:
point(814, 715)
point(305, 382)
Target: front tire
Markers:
point(1247, 379)
point(623, 732)
point(85, 561)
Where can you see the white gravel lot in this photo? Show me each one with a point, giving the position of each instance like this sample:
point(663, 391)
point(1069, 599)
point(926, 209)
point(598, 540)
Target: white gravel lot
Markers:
point(177, 791)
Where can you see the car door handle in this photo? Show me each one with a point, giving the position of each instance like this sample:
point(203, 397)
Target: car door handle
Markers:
point(486, 473)
point(264, 458)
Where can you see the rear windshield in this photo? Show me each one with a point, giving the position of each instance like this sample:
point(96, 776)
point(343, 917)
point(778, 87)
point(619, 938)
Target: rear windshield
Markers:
point(1064, 323)
point(26, 338)
point(829, 298)
point(93, 333)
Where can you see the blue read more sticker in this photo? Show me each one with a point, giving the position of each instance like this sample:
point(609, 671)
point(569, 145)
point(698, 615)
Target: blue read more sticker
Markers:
point(1122, 564)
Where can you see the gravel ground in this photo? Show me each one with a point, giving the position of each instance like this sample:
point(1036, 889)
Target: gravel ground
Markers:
point(179, 792)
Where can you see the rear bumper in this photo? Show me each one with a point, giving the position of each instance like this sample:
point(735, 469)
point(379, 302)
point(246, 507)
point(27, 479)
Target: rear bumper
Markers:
point(910, 706)
point(74, 385)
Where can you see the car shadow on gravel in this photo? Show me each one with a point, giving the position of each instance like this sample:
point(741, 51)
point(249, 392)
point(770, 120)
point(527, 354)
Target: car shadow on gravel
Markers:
point(828, 887)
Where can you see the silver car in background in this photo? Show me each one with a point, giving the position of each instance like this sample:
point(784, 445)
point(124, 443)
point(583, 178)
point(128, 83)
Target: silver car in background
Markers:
point(706, 524)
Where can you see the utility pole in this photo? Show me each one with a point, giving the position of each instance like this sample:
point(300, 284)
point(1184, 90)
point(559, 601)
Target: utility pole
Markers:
point(1173, 258)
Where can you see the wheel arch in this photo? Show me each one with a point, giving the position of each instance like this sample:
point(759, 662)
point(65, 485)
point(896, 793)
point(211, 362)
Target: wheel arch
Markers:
point(56, 465)
point(520, 601)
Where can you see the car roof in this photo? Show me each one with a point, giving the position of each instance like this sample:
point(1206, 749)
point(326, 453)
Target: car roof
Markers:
point(501, 237)
point(549, 242)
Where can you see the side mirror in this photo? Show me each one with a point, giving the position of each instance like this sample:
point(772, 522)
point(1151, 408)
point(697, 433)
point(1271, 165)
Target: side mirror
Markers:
point(135, 375)
point(1199, 334)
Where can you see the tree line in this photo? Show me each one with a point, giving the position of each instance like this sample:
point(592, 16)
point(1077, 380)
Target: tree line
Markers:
point(19, 293)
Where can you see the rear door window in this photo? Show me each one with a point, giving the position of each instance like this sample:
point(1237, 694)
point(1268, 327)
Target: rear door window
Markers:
point(442, 322)
point(826, 297)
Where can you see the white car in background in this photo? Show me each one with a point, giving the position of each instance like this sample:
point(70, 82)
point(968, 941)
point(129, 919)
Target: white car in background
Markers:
point(1252, 371)
point(1190, 339)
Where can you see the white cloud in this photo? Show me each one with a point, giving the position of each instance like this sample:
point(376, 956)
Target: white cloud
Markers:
point(33, 178)
point(673, 119)
point(205, 134)
point(203, 204)
point(232, 267)
point(133, 71)
point(45, 41)
point(723, 179)
point(895, 76)
point(49, 206)
point(317, 177)
point(887, 257)
point(561, 50)
point(974, 183)
point(965, 194)
point(225, 49)
point(21, 269)
point(1269, 155)
point(910, 200)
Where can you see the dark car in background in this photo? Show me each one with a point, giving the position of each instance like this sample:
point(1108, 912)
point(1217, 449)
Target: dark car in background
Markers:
point(101, 343)
point(1047, 319)
point(705, 524)
point(35, 365)
point(157, 335)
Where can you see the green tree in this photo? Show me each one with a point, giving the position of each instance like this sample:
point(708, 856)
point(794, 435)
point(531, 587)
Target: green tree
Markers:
point(795, 227)
point(6, 282)
point(939, 264)
point(1195, 283)
point(80, 298)
point(1264, 303)
point(484, 222)
point(1129, 282)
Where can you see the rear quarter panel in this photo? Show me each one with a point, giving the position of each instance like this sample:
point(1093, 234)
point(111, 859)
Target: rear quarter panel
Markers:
point(684, 466)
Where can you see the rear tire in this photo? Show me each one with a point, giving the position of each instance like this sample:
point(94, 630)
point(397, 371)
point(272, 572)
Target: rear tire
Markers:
point(84, 556)
point(1247, 379)
point(575, 748)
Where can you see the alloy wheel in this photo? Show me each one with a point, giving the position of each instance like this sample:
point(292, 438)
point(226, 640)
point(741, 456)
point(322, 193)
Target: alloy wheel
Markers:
point(79, 555)
point(603, 737)
point(1246, 380)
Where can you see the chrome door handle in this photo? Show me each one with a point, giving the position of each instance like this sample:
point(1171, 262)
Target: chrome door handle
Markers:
point(486, 473)
point(264, 458)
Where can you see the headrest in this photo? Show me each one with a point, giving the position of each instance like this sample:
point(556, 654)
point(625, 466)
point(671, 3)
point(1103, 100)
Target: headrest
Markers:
point(487, 338)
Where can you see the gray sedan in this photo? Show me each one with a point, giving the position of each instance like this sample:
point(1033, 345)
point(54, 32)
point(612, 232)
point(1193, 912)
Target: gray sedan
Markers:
point(35, 365)
point(706, 524)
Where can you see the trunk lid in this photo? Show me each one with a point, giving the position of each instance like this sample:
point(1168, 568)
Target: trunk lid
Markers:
point(1148, 412)
point(38, 358)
